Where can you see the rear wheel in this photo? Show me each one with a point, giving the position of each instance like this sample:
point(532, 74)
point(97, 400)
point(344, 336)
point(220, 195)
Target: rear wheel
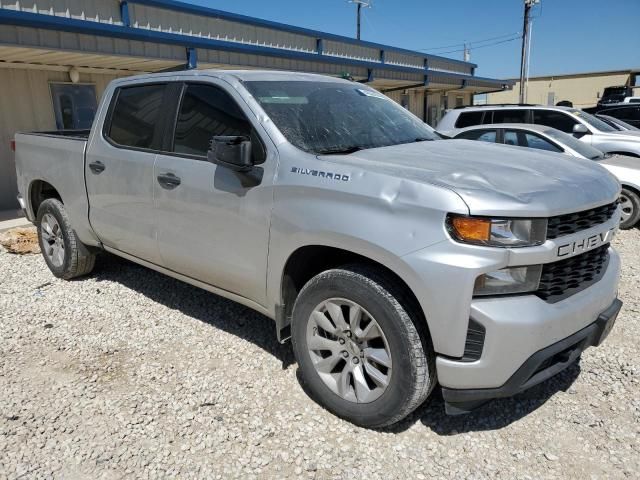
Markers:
point(66, 256)
point(362, 352)
point(630, 204)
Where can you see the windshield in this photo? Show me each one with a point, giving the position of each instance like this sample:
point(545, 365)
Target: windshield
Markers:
point(573, 143)
point(333, 117)
point(617, 123)
point(593, 121)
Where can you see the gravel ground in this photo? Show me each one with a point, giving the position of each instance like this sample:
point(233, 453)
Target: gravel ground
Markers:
point(128, 373)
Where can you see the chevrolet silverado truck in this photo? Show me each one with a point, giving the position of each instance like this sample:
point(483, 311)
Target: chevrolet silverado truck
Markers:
point(393, 260)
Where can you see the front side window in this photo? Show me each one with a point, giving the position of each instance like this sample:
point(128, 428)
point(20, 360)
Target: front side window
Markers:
point(482, 135)
point(207, 111)
point(534, 141)
point(136, 119)
point(336, 117)
point(554, 119)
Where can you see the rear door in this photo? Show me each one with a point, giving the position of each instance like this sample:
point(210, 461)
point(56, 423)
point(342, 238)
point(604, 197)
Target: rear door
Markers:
point(119, 169)
point(213, 222)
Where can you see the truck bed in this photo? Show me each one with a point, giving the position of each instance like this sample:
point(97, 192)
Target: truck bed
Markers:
point(68, 134)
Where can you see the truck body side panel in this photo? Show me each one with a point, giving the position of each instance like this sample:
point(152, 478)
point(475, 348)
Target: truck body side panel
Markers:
point(59, 161)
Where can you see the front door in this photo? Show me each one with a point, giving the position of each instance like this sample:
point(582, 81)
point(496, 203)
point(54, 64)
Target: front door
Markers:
point(213, 222)
point(119, 170)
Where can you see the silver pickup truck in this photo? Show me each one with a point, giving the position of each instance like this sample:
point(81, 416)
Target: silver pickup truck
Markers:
point(392, 259)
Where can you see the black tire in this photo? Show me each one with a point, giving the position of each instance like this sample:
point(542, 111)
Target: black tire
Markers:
point(631, 204)
point(413, 376)
point(77, 259)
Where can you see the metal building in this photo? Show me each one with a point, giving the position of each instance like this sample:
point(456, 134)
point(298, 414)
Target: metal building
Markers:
point(56, 57)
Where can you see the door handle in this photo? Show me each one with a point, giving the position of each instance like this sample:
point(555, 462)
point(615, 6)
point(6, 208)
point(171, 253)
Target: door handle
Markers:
point(168, 180)
point(97, 167)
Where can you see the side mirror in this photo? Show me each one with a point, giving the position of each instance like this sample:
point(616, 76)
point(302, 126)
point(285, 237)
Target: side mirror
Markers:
point(580, 130)
point(233, 152)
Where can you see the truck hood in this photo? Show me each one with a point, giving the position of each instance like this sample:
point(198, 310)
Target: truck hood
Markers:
point(493, 179)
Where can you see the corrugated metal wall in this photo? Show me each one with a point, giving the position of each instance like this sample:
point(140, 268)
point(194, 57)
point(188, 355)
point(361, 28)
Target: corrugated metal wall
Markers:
point(26, 106)
point(105, 11)
point(169, 21)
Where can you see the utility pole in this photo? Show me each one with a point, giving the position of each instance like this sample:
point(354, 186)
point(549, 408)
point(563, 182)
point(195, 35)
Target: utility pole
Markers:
point(467, 54)
point(359, 5)
point(528, 4)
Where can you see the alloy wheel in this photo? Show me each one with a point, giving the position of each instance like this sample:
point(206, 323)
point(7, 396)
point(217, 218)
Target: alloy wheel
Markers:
point(349, 350)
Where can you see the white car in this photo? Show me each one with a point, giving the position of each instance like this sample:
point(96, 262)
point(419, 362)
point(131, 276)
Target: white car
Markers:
point(582, 125)
point(625, 168)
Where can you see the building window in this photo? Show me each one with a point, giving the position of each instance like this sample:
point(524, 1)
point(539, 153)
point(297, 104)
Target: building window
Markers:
point(459, 101)
point(74, 105)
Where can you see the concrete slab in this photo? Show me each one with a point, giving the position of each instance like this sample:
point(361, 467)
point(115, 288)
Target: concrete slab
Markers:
point(12, 219)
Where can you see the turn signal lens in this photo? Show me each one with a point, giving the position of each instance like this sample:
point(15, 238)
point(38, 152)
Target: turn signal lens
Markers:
point(472, 229)
point(498, 232)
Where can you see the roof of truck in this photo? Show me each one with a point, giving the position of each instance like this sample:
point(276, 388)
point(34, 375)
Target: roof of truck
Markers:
point(242, 75)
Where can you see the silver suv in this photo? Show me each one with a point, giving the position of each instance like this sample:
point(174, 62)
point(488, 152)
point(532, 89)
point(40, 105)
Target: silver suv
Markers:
point(582, 125)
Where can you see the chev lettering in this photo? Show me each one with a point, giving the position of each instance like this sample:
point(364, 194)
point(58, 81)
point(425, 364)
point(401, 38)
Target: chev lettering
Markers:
point(586, 244)
point(319, 173)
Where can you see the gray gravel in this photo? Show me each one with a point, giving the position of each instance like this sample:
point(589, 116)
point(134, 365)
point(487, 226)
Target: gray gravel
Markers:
point(128, 373)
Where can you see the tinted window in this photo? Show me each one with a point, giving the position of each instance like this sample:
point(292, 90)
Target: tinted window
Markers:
point(74, 105)
point(554, 119)
point(626, 114)
point(534, 141)
point(482, 135)
point(510, 116)
point(207, 111)
point(469, 119)
point(136, 119)
point(511, 138)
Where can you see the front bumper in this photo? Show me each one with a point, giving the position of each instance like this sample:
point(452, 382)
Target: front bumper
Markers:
point(538, 367)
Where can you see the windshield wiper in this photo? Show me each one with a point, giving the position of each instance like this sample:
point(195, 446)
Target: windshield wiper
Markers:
point(340, 150)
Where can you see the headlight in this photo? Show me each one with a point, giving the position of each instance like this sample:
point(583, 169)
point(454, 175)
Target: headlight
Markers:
point(509, 280)
point(498, 232)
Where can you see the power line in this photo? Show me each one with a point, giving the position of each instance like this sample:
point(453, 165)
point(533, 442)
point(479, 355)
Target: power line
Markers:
point(471, 47)
point(471, 42)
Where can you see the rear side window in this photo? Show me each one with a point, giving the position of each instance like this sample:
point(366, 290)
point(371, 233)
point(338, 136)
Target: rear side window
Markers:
point(469, 119)
point(482, 135)
point(510, 116)
point(207, 111)
point(554, 119)
point(136, 119)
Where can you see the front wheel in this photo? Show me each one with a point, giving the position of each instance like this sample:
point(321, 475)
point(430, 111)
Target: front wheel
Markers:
point(361, 352)
point(630, 204)
point(66, 256)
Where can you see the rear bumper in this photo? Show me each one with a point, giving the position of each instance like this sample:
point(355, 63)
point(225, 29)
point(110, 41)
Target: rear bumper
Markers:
point(538, 367)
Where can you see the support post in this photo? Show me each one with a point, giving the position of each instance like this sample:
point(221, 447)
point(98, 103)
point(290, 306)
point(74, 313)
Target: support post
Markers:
point(192, 58)
point(124, 13)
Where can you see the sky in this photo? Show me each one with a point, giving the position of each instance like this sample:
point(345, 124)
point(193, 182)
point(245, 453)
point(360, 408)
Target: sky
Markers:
point(568, 36)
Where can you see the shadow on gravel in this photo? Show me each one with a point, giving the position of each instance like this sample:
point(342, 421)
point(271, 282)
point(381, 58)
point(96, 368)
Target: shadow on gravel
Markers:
point(207, 307)
point(493, 415)
point(245, 323)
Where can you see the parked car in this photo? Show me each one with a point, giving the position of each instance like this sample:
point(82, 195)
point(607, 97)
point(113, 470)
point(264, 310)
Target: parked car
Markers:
point(580, 124)
point(617, 123)
point(391, 258)
point(626, 169)
point(629, 113)
point(631, 100)
point(615, 94)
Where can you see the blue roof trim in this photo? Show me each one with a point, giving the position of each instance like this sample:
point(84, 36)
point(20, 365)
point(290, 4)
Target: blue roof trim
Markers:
point(234, 17)
point(50, 22)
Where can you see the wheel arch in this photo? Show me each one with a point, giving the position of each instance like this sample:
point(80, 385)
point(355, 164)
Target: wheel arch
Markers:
point(308, 261)
point(39, 191)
